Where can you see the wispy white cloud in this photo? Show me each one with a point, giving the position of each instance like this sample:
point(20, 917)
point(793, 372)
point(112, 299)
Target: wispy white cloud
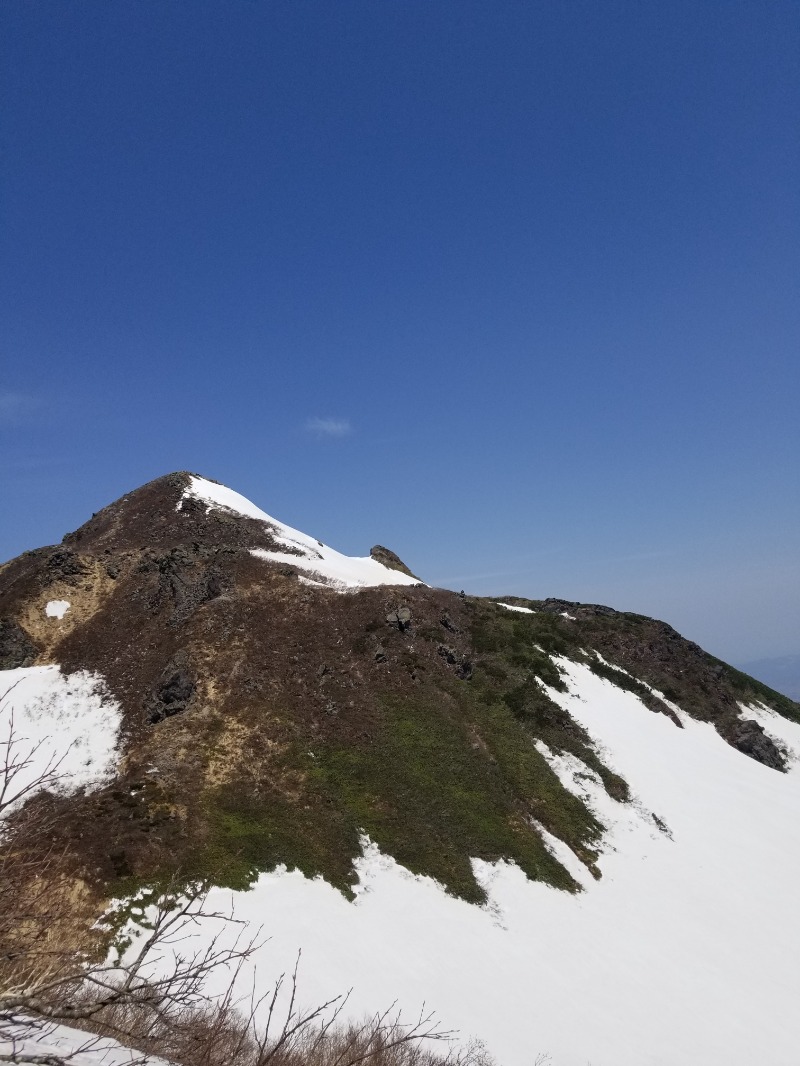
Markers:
point(329, 427)
point(15, 407)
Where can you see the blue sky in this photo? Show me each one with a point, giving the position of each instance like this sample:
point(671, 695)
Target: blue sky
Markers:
point(511, 287)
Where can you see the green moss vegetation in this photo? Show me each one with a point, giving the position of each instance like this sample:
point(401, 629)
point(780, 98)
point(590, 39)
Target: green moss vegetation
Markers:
point(241, 830)
point(437, 769)
point(439, 781)
point(516, 664)
point(446, 770)
point(450, 779)
point(525, 639)
point(550, 723)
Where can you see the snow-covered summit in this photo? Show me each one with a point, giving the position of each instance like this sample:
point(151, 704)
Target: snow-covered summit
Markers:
point(323, 565)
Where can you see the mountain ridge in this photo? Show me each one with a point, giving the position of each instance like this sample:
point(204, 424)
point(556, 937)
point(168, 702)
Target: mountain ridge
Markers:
point(209, 626)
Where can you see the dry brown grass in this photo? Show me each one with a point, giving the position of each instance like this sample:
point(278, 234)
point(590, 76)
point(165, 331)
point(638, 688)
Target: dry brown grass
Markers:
point(86, 595)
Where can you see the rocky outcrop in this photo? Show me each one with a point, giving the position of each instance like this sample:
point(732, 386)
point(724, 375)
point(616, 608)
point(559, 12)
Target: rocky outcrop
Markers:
point(749, 737)
point(387, 558)
point(460, 663)
point(16, 647)
point(187, 579)
point(175, 689)
point(400, 618)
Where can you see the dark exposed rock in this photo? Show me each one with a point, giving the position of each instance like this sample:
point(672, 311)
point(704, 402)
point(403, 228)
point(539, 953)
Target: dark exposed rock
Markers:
point(400, 618)
point(191, 506)
point(662, 825)
point(463, 666)
point(175, 689)
point(387, 557)
point(557, 606)
point(186, 581)
point(65, 566)
point(16, 647)
point(119, 862)
point(749, 737)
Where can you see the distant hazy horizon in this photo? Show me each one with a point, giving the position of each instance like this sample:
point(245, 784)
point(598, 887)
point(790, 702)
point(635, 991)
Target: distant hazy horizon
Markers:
point(781, 673)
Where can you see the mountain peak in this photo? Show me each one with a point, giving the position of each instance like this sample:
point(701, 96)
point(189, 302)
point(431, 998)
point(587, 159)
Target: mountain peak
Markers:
point(183, 508)
point(160, 515)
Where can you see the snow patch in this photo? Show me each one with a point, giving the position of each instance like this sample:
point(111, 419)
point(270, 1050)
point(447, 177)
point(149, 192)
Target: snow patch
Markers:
point(513, 607)
point(57, 608)
point(325, 565)
point(65, 725)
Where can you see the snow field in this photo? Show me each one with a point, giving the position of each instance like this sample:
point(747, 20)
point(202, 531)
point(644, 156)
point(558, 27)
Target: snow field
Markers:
point(325, 565)
point(683, 954)
point(66, 725)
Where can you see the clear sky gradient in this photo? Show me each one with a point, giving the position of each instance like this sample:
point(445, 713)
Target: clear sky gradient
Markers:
point(511, 287)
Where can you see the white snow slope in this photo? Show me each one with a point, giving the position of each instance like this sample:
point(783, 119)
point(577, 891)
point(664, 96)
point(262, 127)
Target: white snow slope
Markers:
point(324, 565)
point(60, 730)
point(686, 952)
